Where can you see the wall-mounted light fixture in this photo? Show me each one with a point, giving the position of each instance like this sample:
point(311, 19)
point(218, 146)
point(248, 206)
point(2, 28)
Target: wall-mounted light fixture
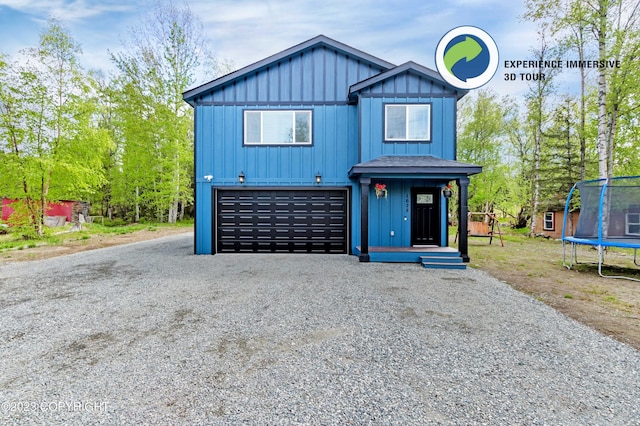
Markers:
point(241, 177)
point(208, 178)
point(318, 178)
point(447, 192)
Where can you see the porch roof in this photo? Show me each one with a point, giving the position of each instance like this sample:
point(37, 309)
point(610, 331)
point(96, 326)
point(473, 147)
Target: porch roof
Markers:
point(406, 165)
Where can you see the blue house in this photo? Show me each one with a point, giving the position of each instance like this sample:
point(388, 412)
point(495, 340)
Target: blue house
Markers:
point(324, 148)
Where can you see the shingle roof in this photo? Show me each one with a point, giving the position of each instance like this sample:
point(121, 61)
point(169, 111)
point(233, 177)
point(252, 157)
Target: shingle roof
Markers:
point(414, 164)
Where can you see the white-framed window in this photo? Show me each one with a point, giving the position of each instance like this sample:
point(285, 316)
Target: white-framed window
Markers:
point(549, 221)
point(632, 224)
point(277, 127)
point(407, 122)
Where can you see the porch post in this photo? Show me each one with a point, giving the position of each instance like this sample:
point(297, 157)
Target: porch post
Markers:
point(463, 209)
point(364, 219)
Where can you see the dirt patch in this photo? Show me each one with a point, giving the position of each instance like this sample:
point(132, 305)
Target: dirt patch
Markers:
point(534, 266)
point(73, 245)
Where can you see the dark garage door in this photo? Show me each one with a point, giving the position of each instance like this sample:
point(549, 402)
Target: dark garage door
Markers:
point(296, 220)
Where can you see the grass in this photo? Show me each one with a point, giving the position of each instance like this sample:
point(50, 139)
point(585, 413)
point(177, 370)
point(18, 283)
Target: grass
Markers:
point(56, 236)
point(535, 266)
point(594, 291)
point(537, 256)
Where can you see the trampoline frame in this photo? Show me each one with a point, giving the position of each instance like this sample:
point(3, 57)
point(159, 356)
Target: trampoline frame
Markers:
point(598, 241)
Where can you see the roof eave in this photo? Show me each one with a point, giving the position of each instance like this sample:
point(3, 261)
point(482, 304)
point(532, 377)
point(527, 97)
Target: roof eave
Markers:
point(407, 171)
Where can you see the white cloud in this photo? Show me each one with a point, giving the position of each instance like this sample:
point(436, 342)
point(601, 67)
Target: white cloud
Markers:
point(250, 30)
point(247, 31)
point(65, 10)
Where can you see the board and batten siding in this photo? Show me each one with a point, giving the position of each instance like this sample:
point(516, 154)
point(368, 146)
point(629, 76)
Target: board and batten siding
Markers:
point(442, 143)
point(394, 212)
point(347, 128)
point(407, 83)
point(222, 154)
point(388, 214)
point(319, 74)
point(318, 79)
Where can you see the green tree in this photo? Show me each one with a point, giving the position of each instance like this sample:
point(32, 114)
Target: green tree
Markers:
point(628, 147)
point(52, 150)
point(107, 120)
point(481, 140)
point(614, 34)
point(566, 21)
point(562, 163)
point(519, 149)
point(160, 62)
point(538, 116)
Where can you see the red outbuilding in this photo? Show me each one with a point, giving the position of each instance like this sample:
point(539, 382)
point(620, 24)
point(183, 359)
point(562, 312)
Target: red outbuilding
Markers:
point(60, 208)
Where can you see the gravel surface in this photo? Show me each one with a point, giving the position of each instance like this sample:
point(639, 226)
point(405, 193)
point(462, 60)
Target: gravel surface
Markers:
point(148, 333)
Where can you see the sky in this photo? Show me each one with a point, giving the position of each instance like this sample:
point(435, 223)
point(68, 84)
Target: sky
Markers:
point(246, 31)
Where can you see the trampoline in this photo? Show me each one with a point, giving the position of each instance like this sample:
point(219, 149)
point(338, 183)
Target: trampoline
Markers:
point(609, 217)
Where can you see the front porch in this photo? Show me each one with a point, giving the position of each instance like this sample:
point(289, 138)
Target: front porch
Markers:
point(429, 256)
point(410, 220)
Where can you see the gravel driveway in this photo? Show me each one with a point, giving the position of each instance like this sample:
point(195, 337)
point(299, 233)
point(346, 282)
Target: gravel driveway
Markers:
point(148, 333)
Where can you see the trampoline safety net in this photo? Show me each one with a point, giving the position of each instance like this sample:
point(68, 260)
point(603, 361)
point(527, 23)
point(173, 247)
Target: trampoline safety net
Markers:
point(609, 217)
point(609, 210)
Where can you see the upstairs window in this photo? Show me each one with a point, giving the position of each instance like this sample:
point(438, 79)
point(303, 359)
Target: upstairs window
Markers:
point(277, 127)
point(407, 122)
point(549, 221)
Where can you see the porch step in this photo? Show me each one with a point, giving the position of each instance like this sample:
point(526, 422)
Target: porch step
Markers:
point(431, 265)
point(448, 261)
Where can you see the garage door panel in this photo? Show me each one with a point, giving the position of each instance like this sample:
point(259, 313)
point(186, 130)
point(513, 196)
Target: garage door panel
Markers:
point(259, 234)
point(324, 221)
point(292, 220)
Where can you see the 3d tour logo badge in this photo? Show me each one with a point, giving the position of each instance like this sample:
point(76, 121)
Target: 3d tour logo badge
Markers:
point(467, 57)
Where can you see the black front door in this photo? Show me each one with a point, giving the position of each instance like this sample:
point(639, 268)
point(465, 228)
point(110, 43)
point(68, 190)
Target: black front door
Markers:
point(425, 216)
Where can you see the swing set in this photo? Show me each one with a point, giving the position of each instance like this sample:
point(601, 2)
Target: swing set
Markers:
point(483, 225)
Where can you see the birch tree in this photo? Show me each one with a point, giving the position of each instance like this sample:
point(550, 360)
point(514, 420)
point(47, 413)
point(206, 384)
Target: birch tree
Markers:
point(159, 62)
point(611, 26)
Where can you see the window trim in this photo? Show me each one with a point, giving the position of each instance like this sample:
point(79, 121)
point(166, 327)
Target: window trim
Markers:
point(628, 222)
point(293, 117)
point(552, 220)
point(406, 140)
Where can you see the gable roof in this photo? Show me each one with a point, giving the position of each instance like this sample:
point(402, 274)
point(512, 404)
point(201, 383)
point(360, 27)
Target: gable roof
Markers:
point(408, 67)
point(317, 41)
